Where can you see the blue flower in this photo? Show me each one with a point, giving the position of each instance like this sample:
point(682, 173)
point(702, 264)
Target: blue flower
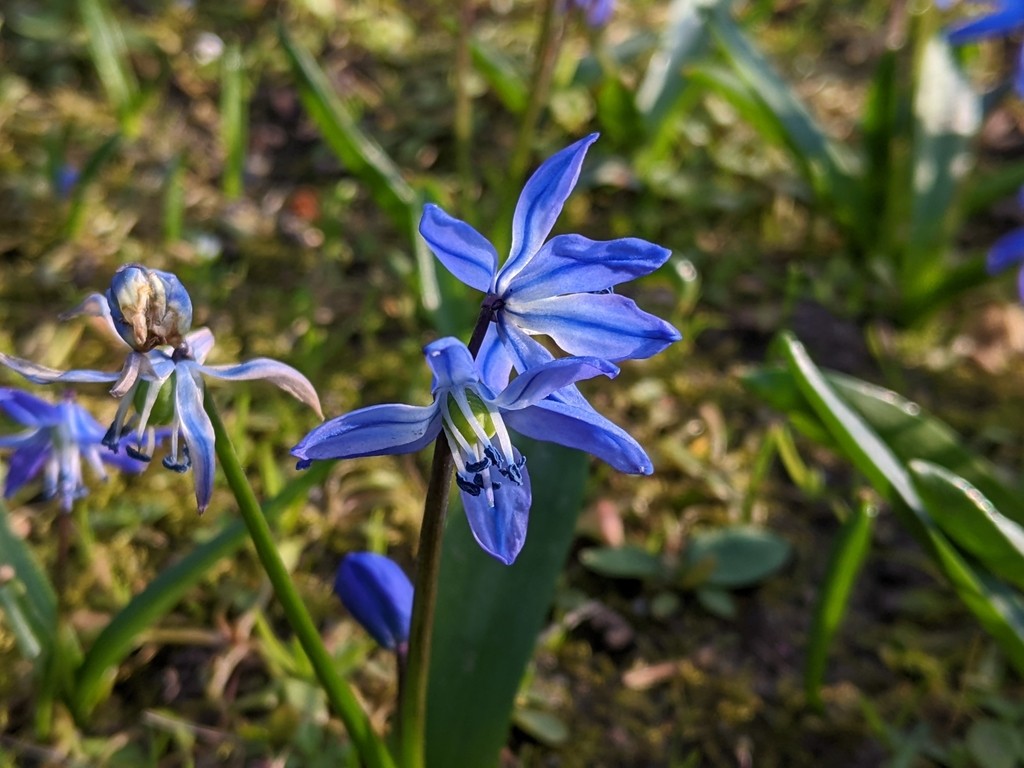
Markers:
point(1008, 251)
point(378, 594)
point(560, 288)
point(1006, 19)
point(490, 472)
point(598, 12)
point(56, 440)
point(176, 371)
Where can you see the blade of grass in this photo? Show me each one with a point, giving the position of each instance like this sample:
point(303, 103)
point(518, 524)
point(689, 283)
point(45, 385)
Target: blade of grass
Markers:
point(174, 200)
point(233, 119)
point(110, 57)
point(28, 597)
point(121, 635)
point(76, 208)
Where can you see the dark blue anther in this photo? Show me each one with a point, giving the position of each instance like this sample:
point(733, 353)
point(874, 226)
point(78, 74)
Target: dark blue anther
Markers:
point(466, 485)
point(136, 453)
point(478, 466)
point(171, 464)
point(492, 454)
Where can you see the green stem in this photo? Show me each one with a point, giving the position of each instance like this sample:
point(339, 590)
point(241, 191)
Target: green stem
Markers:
point(371, 749)
point(549, 42)
point(413, 685)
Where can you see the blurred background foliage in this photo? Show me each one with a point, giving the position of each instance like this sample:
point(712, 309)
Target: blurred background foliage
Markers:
point(274, 155)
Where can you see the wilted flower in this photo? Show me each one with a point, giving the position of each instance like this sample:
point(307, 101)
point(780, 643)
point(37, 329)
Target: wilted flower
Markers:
point(378, 594)
point(1006, 18)
point(560, 288)
point(56, 440)
point(148, 300)
point(490, 473)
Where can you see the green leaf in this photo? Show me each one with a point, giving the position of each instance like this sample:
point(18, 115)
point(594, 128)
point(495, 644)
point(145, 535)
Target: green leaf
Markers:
point(849, 550)
point(93, 166)
point(947, 115)
point(718, 602)
point(110, 57)
point(123, 633)
point(234, 114)
point(27, 597)
point(364, 158)
point(684, 41)
point(738, 557)
point(501, 75)
point(826, 164)
point(995, 744)
point(174, 199)
point(542, 726)
point(971, 520)
point(998, 609)
point(489, 615)
point(622, 562)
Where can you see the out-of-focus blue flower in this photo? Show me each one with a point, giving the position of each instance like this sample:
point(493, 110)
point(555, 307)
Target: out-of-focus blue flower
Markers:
point(598, 12)
point(1008, 251)
point(378, 594)
point(181, 368)
point(1006, 18)
point(490, 472)
point(56, 440)
point(559, 288)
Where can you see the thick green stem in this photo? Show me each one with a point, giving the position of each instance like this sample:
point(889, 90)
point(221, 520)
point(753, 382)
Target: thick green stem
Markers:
point(413, 686)
point(371, 749)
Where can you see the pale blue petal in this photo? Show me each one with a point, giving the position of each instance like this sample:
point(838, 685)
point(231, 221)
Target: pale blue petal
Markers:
point(27, 409)
point(1004, 21)
point(274, 371)
point(493, 360)
point(373, 431)
point(40, 374)
point(524, 351)
point(594, 324)
point(500, 530)
point(200, 342)
point(95, 305)
point(197, 430)
point(568, 419)
point(18, 440)
point(576, 264)
point(121, 460)
point(1006, 252)
point(84, 429)
point(450, 362)
point(464, 252)
point(26, 463)
point(536, 383)
point(540, 204)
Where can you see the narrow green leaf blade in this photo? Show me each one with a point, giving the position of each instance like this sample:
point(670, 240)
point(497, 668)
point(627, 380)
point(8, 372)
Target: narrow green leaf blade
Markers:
point(849, 551)
point(28, 598)
point(110, 56)
point(489, 615)
point(234, 118)
point(971, 520)
point(501, 75)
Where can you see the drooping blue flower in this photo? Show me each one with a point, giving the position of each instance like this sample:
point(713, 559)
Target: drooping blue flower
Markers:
point(598, 12)
point(1006, 18)
point(56, 439)
point(378, 594)
point(559, 288)
point(180, 368)
point(490, 472)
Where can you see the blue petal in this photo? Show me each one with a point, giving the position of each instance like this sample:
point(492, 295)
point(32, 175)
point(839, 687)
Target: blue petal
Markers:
point(500, 530)
point(26, 462)
point(95, 305)
point(1007, 19)
point(197, 430)
point(576, 264)
point(121, 460)
point(40, 374)
point(373, 431)
point(493, 360)
point(274, 371)
point(27, 409)
point(200, 342)
point(1006, 252)
point(540, 204)
point(84, 429)
point(568, 419)
point(536, 383)
point(1018, 79)
point(378, 594)
point(465, 252)
point(450, 362)
point(601, 325)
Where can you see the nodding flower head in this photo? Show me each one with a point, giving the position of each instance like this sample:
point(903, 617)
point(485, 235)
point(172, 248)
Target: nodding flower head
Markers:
point(149, 308)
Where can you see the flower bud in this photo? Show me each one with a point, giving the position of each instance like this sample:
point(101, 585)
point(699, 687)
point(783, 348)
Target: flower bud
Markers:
point(149, 307)
point(378, 594)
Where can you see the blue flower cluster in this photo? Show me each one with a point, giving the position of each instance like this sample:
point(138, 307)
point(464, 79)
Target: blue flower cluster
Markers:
point(560, 288)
